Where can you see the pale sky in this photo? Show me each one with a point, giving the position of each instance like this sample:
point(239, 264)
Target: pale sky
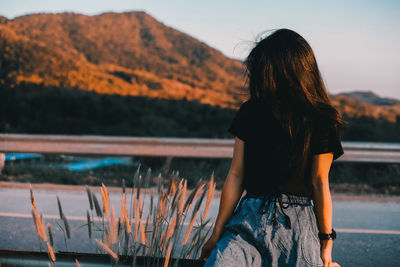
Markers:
point(357, 43)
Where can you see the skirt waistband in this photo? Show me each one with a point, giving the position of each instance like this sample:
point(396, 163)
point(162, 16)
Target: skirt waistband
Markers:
point(285, 198)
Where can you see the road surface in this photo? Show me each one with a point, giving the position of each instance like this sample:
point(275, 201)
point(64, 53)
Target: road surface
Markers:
point(368, 232)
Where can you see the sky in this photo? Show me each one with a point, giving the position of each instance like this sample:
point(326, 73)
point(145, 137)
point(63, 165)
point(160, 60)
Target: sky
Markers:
point(356, 43)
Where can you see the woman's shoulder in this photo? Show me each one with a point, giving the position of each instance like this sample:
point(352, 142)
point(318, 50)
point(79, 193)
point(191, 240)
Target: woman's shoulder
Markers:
point(319, 121)
point(247, 107)
point(247, 103)
point(255, 104)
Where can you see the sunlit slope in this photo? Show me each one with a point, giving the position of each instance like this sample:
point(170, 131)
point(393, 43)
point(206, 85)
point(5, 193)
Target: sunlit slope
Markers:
point(116, 53)
point(132, 53)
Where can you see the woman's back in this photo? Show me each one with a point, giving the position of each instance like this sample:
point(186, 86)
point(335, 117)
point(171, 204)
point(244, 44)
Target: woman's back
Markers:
point(267, 150)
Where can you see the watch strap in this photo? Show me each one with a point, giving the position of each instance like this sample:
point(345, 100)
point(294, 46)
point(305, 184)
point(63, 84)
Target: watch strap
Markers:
point(325, 236)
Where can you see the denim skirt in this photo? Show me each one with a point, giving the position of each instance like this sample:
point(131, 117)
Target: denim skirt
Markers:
point(276, 230)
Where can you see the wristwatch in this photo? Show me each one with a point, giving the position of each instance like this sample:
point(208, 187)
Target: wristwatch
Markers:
point(324, 236)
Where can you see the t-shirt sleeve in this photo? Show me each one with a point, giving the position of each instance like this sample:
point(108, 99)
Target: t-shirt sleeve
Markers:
point(239, 125)
point(326, 139)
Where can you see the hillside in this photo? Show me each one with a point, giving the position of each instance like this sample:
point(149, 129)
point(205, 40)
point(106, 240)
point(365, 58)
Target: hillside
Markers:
point(133, 54)
point(364, 104)
point(372, 98)
point(116, 53)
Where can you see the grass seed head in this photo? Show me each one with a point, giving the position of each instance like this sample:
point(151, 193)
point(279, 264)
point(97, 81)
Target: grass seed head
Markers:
point(142, 233)
point(66, 226)
point(189, 230)
point(107, 249)
point(127, 224)
point(50, 234)
point(182, 197)
point(60, 210)
point(113, 227)
point(99, 213)
point(89, 224)
point(139, 186)
point(106, 203)
point(168, 255)
point(39, 225)
point(199, 201)
point(210, 197)
point(89, 194)
point(171, 228)
point(193, 195)
point(108, 240)
point(32, 196)
point(51, 252)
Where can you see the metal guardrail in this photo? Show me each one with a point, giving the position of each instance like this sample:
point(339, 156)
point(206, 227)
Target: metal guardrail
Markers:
point(168, 147)
point(122, 146)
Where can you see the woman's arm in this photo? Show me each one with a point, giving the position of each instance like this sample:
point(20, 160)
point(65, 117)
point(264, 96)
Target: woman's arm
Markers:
point(323, 202)
point(232, 189)
point(230, 196)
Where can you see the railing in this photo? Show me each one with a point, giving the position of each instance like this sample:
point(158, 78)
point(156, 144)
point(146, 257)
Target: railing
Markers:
point(168, 147)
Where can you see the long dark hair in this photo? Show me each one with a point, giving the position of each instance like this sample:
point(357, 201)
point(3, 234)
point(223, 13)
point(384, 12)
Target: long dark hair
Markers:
point(283, 73)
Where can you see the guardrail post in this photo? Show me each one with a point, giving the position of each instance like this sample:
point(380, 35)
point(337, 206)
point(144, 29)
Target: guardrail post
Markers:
point(2, 161)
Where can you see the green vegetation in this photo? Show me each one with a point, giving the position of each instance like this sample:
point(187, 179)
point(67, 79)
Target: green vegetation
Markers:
point(359, 178)
point(371, 130)
point(52, 110)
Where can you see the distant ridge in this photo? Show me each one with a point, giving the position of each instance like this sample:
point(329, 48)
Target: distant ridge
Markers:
point(368, 104)
point(372, 98)
point(3, 19)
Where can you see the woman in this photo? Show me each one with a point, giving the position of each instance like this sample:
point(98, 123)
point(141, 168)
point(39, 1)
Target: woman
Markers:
point(287, 135)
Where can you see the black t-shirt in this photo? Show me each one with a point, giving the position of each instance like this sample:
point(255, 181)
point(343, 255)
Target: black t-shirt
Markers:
point(265, 147)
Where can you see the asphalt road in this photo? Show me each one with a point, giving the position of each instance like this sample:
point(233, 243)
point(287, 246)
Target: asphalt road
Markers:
point(368, 232)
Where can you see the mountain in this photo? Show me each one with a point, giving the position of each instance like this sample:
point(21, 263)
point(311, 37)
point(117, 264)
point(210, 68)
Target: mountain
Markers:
point(3, 19)
point(127, 53)
point(132, 53)
point(364, 103)
point(372, 98)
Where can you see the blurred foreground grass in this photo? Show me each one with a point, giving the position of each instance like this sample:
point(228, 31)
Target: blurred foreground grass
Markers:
point(174, 225)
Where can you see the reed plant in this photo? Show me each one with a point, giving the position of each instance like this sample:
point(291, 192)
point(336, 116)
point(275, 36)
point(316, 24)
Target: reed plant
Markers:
point(173, 225)
point(40, 231)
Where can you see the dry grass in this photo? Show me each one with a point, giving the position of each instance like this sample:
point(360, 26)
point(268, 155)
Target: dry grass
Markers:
point(159, 234)
point(90, 198)
point(51, 239)
point(107, 249)
point(89, 223)
point(40, 230)
point(51, 252)
point(32, 197)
